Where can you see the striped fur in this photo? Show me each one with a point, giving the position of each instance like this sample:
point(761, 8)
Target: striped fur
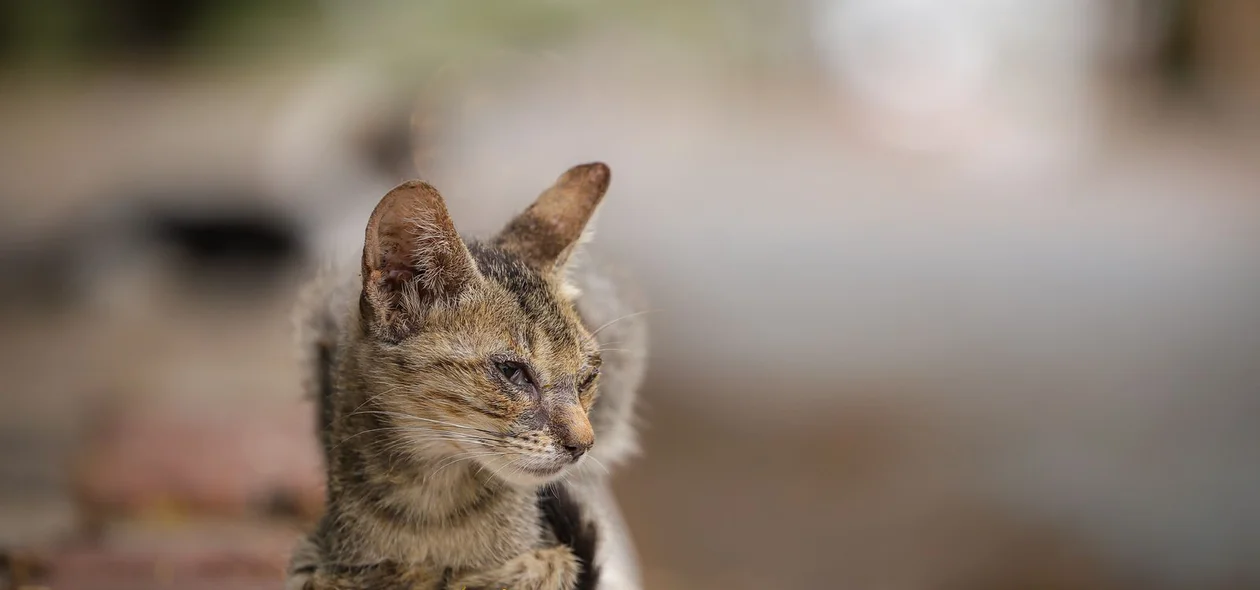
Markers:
point(438, 462)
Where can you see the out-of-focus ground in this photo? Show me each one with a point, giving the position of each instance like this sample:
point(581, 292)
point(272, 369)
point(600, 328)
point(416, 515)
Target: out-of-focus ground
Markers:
point(980, 312)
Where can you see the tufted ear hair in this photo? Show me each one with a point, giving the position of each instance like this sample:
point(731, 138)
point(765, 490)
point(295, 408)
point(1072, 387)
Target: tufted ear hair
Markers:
point(546, 234)
point(412, 259)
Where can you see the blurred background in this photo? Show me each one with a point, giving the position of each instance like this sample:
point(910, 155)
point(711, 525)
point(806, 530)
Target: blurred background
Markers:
point(942, 295)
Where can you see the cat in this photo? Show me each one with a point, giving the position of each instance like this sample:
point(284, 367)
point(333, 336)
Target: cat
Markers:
point(457, 384)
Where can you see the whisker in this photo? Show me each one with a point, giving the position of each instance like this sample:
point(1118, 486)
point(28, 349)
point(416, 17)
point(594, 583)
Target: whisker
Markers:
point(374, 398)
point(600, 463)
point(516, 468)
point(410, 417)
point(404, 442)
point(458, 459)
point(456, 436)
point(360, 433)
point(624, 317)
point(495, 474)
point(429, 439)
point(433, 435)
point(446, 434)
point(397, 445)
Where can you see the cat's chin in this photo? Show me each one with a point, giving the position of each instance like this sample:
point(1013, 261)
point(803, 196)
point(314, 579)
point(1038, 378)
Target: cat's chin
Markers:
point(528, 476)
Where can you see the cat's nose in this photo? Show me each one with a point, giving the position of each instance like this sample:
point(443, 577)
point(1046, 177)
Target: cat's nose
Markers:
point(572, 430)
point(577, 449)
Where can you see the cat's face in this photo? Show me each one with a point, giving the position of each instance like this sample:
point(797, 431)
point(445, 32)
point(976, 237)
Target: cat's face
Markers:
point(481, 358)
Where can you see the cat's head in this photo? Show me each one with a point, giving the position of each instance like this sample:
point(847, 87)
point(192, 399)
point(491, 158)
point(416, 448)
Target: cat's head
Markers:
point(478, 355)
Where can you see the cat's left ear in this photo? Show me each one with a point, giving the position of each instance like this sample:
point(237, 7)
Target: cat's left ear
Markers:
point(413, 259)
point(546, 234)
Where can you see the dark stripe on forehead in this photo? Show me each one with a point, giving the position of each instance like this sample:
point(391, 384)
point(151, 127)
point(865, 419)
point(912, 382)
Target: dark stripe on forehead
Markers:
point(455, 365)
point(530, 289)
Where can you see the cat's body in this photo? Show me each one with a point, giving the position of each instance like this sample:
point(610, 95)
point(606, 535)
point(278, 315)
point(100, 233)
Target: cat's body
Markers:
point(455, 386)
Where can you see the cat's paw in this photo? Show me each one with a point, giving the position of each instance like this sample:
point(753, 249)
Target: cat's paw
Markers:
point(553, 568)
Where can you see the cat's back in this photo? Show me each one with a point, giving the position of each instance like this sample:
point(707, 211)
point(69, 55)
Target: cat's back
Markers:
point(321, 315)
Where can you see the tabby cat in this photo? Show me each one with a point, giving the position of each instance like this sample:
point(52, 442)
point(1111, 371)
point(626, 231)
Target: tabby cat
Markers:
point(468, 410)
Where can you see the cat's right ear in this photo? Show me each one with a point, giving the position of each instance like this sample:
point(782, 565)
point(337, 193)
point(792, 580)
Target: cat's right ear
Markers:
point(412, 259)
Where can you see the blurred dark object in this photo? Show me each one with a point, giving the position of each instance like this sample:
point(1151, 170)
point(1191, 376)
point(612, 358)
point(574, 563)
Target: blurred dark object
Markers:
point(94, 31)
point(1178, 54)
point(145, 27)
point(1211, 49)
point(220, 241)
point(99, 29)
point(213, 237)
point(389, 144)
point(39, 273)
point(20, 569)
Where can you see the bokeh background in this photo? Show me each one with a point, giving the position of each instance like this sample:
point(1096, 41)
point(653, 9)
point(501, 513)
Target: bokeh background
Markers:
point(942, 295)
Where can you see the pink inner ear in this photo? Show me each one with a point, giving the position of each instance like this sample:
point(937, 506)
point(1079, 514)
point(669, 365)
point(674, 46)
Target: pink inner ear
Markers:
point(399, 276)
point(396, 270)
point(411, 246)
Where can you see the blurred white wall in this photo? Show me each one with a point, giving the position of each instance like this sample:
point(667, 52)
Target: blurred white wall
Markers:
point(1092, 324)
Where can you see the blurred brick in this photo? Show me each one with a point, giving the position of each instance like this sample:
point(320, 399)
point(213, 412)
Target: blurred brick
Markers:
point(192, 555)
point(102, 569)
point(91, 570)
point(174, 461)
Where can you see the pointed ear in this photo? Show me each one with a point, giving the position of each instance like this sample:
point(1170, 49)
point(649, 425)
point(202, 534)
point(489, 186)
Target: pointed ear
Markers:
point(547, 232)
point(412, 259)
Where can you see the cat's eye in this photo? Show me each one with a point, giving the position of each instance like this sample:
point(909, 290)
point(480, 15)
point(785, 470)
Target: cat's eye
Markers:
point(514, 373)
point(588, 380)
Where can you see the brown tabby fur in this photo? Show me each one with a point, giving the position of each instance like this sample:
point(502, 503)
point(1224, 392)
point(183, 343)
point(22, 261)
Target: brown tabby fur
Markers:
point(435, 456)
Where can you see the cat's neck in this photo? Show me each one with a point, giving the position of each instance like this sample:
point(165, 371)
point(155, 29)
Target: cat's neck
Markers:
point(391, 503)
point(390, 498)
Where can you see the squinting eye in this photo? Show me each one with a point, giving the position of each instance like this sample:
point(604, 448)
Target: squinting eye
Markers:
point(588, 380)
point(514, 373)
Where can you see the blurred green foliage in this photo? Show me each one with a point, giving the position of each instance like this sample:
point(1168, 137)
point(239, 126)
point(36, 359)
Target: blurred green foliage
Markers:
point(89, 33)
